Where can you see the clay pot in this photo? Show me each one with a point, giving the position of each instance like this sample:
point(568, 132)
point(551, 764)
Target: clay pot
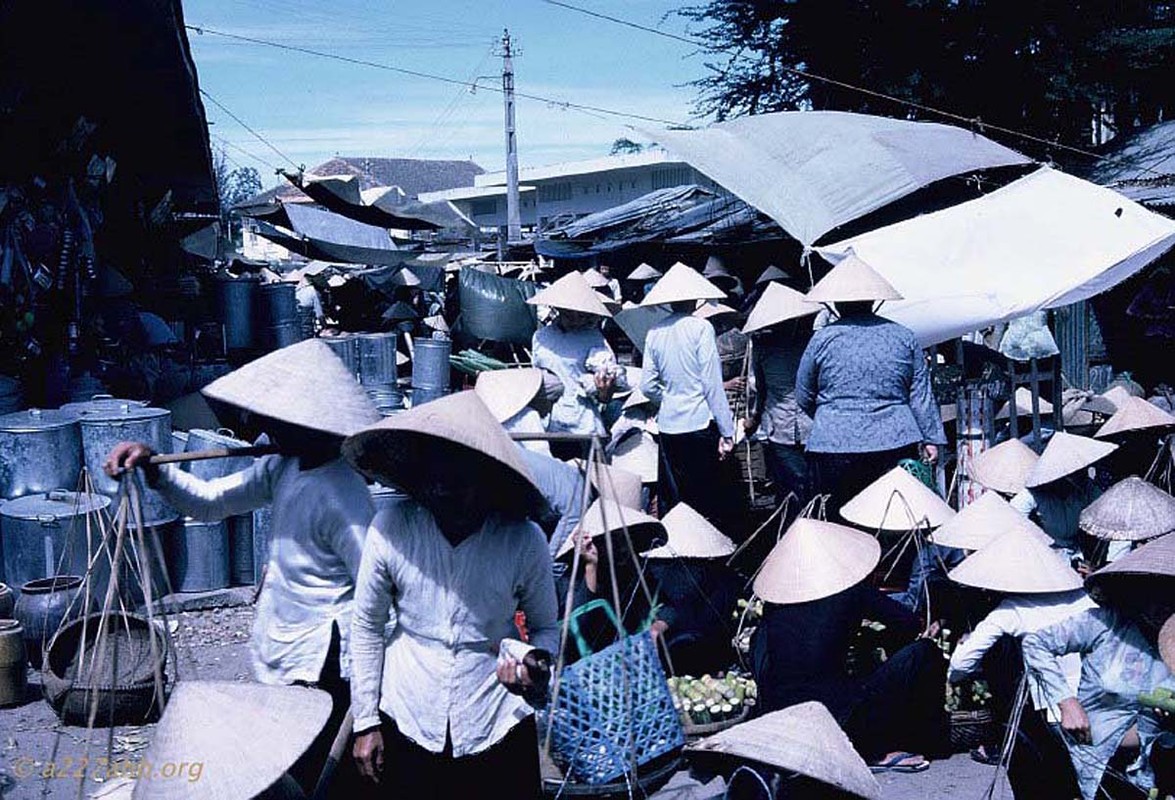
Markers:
point(7, 602)
point(13, 669)
point(42, 607)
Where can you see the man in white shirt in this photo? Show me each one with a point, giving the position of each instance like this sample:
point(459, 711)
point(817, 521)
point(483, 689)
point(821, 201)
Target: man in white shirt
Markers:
point(444, 701)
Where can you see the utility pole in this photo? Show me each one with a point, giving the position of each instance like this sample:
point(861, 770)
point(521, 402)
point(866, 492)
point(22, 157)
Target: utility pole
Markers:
point(513, 211)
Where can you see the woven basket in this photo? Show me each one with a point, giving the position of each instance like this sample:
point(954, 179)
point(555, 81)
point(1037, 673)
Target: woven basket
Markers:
point(613, 709)
point(698, 731)
point(970, 729)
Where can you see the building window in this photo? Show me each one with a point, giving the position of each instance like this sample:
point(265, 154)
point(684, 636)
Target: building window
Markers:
point(484, 208)
point(555, 192)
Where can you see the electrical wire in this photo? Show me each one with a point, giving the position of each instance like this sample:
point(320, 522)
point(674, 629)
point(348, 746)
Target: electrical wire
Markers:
point(245, 152)
point(414, 73)
point(245, 125)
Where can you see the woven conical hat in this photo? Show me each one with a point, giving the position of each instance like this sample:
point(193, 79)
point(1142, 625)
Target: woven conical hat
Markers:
point(1167, 643)
point(572, 293)
point(1116, 395)
point(803, 739)
point(680, 284)
point(456, 431)
point(713, 309)
point(1023, 398)
point(628, 487)
point(1017, 563)
point(1135, 414)
point(772, 273)
point(852, 280)
point(1100, 404)
point(1005, 467)
point(716, 272)
point(1065, 455)
point(607, 516)
point(640, 455)
point(1155, 558)
point(245, 735)
point(1131, 510)
point(644, 273)
point(982, 522)
point(814, 560)
point(691, 536)
point(437, 323)
point(1139, 577)
point(304, 384)
point(507, 391)
point(897, 501)
point(594, 278)
point(778, 304)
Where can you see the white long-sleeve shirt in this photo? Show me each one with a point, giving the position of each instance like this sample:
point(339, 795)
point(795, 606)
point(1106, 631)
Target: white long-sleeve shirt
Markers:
point(437, 674)
point(1016, 616)
point(528, 421)
point(565, 354)
point(320, 520)
point(683, 373)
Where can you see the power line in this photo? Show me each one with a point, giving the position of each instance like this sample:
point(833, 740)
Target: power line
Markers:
point(414, 73)
point(244, 125)
point(248, 153)
point(806, 75)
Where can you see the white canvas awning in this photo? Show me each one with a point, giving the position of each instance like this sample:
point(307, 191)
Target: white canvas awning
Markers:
point(1044, 241)
point(813, 171)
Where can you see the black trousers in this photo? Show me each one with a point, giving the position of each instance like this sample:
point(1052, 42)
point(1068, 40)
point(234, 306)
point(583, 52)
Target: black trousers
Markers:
point(1039, 767)
point(844, 475)
point(695, 476)
point(900, 708)
point(509, 768)
point(787, 465)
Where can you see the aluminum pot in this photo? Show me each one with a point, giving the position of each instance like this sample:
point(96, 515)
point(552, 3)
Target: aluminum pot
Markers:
point(13, 663)
point(40, 450)
point(199, 439)
point(43, 606)
point(198, 556)
point(45, 534)
point(346, 347)
point(7, 601)
point(241, 556)
point(102, 430)
point(234, 307)
point(377, 358)
point(100, 404)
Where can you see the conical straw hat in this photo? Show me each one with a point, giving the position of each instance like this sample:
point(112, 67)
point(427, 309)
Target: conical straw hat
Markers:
point(639, 454)
point(803, 739)
point(1005, 467)
point(680, 284)
point(713, 309)
point(635, 398)
point(778, 304)
point(628, 487)
point(607, 516)
point(571, 293)
point(1100, 404)
point(815, 560)
point(1017, 563)
point(245, 736)
point(507, 391)
point(897, 501)
point(1065, 455)
point(1135, 414)
point(644, 273)
point(852, 280)
point(1023, 399)
point(304, 384)
point(691, 536)
point(594, 278)
point(1140, 576)
point(772, 273)
point(1167, 643)
point(1116, 395)
point(437, 323)
point(982, 522)
point(716, 272)
point(1131, 510)
point(456, 432)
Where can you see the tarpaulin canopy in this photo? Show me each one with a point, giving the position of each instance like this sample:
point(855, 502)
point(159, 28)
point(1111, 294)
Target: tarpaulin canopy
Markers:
point(385, 206)
point(1046, 240)
point(1140, 165)
point(330, 237)
point(813, 171)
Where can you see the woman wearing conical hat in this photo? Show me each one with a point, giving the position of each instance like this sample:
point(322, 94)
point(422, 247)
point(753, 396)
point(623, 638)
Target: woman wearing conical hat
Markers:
point(865, 383)
point(1037, 588)
point(816, 592)
point(444, 694)
point(573, 348)
point(306, 400)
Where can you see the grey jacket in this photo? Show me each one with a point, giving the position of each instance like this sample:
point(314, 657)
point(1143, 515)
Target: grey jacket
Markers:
point(864, 381)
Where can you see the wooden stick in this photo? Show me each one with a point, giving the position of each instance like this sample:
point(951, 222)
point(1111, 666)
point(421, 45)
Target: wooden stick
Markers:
point(554, 437)
point(337, 753)
point(207, 455)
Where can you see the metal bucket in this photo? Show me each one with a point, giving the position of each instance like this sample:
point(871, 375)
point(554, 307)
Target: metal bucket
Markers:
point(387, 399)
point(100, 404)
point(45, 534)
point(198, 556)
point(262, 521)
point(277, 314)
point(377, 358)
point(346, 348)
point(234, 308)
point(154, 560)
point(214, 468)
point(421, 396)
point(430, 366)
point(240, 545)
point(39, 451)
point(101, 431)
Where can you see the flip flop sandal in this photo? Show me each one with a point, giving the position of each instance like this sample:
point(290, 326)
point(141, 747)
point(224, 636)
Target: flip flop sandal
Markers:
point(980, 756)
point(894, 765)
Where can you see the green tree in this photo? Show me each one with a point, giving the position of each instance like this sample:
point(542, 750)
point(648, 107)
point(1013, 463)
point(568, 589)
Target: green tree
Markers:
point(233, 185)
point(625, 146)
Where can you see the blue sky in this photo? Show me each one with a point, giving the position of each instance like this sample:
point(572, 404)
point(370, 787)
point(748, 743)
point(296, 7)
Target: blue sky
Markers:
point(313, 108)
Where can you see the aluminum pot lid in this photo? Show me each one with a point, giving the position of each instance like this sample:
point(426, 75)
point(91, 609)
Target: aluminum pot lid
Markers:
point(199, 439)
point(53, 506)
point(100, 404)
point(36, 419)
point(123, 413)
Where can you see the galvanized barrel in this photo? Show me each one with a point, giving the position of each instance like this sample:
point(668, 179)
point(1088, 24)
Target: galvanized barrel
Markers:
point(345, 346)
point(430, 369)
point(214, 468)
point(45, 534)
point(39, 451)
point(278, 316)
point(377, 358)
point(262, 522)
point(102, 430)
point(198, 556)
point(240, 546)
point(235, 298)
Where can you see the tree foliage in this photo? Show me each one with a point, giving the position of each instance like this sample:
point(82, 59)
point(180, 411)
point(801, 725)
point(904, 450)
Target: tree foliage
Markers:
point(625, 146)
point(1056, 68)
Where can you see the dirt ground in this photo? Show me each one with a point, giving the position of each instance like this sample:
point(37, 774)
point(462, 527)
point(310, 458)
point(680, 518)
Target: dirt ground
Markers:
point(213, 645)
